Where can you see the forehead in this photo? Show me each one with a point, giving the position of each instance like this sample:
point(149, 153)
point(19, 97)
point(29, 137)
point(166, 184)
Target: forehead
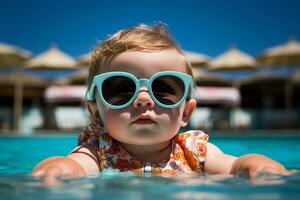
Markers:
point(145, 64)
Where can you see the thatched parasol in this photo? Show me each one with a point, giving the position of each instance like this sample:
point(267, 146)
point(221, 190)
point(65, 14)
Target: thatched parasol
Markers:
point(285, 54)
point(233, 59)
point(53, 58)
point(12, 56)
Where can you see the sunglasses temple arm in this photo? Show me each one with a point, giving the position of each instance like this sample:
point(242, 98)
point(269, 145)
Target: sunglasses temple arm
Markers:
point(191, 90)
point(90, 93)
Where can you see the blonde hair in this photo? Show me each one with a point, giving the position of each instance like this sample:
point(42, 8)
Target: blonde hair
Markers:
point(139, 38)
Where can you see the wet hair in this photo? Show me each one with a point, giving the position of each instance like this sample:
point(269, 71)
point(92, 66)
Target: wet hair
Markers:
point(139, 38)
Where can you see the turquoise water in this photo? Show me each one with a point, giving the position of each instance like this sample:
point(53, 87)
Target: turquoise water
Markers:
point(20, 154)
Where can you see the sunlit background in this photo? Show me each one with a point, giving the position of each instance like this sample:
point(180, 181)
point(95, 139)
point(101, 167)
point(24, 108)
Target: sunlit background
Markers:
point(245, 57)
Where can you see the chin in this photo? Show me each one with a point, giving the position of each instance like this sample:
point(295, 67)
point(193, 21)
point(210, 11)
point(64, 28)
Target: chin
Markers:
point(144, 141)
point(148, 141)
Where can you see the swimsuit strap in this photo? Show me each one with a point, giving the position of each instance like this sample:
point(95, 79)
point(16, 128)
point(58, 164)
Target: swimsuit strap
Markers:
point(95, 156)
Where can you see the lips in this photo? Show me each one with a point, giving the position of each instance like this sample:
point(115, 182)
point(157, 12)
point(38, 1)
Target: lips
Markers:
point(144, 120)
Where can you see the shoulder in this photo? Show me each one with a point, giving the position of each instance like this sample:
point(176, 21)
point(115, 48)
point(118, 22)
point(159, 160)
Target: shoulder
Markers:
point(196, 135)
point(194, 141)
point(217, 161)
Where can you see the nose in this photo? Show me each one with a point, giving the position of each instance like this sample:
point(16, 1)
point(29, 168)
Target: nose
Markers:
point(143, 98)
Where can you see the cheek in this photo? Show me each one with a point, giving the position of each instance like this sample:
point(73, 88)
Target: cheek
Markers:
point(105, 114)
point(111, 116)
point(113, 119)
point(172, 117)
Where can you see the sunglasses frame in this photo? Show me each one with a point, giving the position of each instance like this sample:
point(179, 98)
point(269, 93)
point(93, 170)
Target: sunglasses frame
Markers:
point(99, 80)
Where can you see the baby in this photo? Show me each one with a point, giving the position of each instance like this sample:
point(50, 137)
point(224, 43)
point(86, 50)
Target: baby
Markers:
point(140, 92)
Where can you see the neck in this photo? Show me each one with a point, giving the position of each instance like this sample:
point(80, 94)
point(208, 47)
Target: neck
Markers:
point(150, 153)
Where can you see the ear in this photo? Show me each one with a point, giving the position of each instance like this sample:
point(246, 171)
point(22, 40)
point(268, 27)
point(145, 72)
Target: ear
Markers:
point(189, 108)
point(92, 108)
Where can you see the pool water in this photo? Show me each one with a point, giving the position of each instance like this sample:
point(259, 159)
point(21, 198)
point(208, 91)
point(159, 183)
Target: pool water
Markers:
point(20, 154)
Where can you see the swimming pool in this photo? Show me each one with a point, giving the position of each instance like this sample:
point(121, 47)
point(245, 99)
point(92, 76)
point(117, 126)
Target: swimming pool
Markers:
point(20, 154)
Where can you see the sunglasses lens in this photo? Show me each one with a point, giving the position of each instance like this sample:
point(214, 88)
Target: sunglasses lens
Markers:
point(118, 90)
point(168, 90)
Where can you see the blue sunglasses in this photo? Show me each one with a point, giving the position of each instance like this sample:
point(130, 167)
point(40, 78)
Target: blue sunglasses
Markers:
point(118, 89)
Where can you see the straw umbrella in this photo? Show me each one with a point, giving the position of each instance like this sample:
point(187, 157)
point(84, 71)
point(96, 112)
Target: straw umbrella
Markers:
point(19, 80)
point(53, 58)
point(233, 59)
point(196, 59)
point(12, 56)
point(286, 54)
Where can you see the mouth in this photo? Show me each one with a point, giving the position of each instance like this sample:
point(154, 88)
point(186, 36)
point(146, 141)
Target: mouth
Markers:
point(144, 120)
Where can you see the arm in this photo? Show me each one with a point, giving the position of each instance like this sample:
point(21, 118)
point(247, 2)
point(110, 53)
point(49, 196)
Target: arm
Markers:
point(74, 165)
point(216, 161)
point(250, 165)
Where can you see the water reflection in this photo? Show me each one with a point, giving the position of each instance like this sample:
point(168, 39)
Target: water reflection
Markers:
point(129, 186)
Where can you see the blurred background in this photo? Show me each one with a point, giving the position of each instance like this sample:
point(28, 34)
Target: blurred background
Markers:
point(245, 57)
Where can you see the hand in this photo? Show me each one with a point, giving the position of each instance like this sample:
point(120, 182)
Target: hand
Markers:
point(253, 164)
point(51, 169)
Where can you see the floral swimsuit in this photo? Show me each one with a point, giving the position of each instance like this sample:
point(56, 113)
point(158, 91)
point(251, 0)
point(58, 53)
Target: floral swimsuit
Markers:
point(187, 155)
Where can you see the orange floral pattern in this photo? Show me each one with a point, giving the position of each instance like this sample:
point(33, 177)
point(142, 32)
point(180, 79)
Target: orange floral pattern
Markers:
point(188, 153)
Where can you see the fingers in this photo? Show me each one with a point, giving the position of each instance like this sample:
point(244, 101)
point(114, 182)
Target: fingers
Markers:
point(51, 175)
point(271, 170)
point(294, 171)
point(38, 173)
point(51, 169)
point(39, 170)
point(280, 171)
point(289, 172)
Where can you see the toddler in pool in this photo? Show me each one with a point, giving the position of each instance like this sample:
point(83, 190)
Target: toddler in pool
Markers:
point(140, 92)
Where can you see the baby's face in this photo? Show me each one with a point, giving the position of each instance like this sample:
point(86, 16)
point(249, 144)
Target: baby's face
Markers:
point(143, 122)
